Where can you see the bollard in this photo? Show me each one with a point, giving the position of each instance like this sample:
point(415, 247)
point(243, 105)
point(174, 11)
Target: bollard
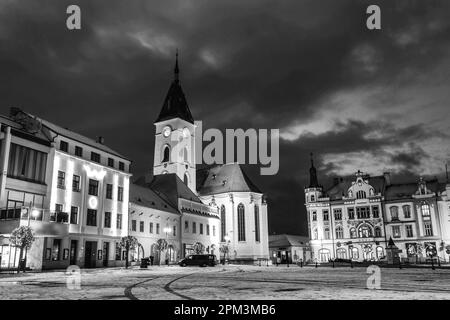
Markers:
point(301, 264)
point(316, 264)
point(439, 262)
point(333, 263)
point(351, 264)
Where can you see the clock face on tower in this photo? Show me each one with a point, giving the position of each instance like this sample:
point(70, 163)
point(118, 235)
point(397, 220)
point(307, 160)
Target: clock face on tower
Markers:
point(166, 131)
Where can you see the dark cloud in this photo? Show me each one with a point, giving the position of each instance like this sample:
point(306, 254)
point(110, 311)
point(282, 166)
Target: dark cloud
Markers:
point(244, 64)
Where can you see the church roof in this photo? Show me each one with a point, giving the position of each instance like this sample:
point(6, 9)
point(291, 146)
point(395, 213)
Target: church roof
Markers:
point(287, 240)
point(175, 104)
point(224, 178)
point(144, 196)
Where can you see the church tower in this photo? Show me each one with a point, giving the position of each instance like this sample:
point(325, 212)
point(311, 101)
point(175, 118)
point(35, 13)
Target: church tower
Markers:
point(175, 136)
point(314, 190)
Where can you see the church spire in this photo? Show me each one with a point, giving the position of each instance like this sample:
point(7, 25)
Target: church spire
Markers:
point(313, 182)
point(176, 70)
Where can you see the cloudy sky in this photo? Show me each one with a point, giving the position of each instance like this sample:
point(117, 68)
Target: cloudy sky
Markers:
point(357, 99)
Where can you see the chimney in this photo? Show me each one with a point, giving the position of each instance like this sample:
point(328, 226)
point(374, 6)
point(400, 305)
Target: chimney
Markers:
point(100, 140)
point(387, 178)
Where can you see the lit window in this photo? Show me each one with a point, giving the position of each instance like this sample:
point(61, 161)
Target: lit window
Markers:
point(166, 154)
point(426, 212)
point(396, 231)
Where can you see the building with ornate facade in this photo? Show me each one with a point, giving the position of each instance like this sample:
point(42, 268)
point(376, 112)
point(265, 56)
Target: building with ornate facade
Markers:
point(356, 216)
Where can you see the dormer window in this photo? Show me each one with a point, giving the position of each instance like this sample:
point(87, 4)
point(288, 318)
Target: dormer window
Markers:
point(361, 194)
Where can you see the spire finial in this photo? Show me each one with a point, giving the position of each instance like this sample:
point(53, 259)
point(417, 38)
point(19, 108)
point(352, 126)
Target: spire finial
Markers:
point(176, 69)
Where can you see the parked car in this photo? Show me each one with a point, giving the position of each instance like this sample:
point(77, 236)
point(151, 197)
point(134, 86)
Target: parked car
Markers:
point(201, 260)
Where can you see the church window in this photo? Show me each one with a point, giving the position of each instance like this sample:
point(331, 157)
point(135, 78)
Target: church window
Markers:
point(256, 223)
point(339, 232)
point(166, 154)
point(241, 222)
point(222, 223)
point(394, 212)
point(396, 231)
point(361, 194)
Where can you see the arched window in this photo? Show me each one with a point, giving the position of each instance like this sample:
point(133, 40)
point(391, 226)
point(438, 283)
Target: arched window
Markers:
point(380, 252)
point(185, 155)
point(378, 232)
point(315, 234)
point(314, 216)
point(223, 225)
point(186, 179)
point(241, 222)
point(364, 231)
point(355, 253)
point(341, 253)
point(361, 194)
point(324, 255)
point(339, 232)
point(352, 233)
point(256, 223)
point(394, 212)
point(326, 234)
point(166, 153)
point(425, 211)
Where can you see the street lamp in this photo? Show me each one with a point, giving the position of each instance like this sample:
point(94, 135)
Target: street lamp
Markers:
point(167, 230)
point(227, 241)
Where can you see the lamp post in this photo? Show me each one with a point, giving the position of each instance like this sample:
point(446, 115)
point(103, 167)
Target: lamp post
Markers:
point(227, 241)
point(167, 230)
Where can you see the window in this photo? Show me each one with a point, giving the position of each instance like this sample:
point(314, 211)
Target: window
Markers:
point(351, 213)
point(314, 216)
point(426, 212)
point(407, 211)
point(315, 234)
point(223, 229)
point(133, 225)
point(26, 164)
point(174, 231)
point(120, 194)
point(394, 213)
point(380, 252)
point(214, 231)
point(194, 227)
point(313, 198)
point(326, 215)
point(166, 154)
point(63, 146)
point(428, 228)
point(364, 231)
point(107, 219)
point(58, 209)
point(185, 155)
point(121, 166)
point(326, 234)
point(201, 228)
point(93, 187)
point(339, 233)
point(352, 233)
point(207, 229)
point(361, 194)
point(257, 223)
point(186, 226)
point(74, 215)
point(111, 162)
point(119, 221)
point(95, 157)
point(157, 228)
point(409, 231)
point(354, 253)
point(151, 227)
point(363, 212)
point(241, 222)
point(375, 211)
point(78, 151)
point(56, 249)
point(91, 218)
point(76, 183)
point(396, 231)
point(61, 182)
point(337, 214)
point(118, 251)
point(378, 232)
point(109, 191)
point(141, 226)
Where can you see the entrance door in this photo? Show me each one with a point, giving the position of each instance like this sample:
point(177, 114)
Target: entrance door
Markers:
point(105, 253)
point(89, 254)
point(73, 252)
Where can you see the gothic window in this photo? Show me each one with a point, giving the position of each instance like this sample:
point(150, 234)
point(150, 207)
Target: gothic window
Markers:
point(378, 232)
point(407, 211)
point(256, 223)
point(364, 231)
point(394, 212)
point(339, 232)
point(241, 222)
point(186, 179)
point(361, 194)
point(222, 223)
point(352, 233)
point(326, 234)
point(166, 153)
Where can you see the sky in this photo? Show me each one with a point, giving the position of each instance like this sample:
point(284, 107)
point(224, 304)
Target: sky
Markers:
point(358, 99)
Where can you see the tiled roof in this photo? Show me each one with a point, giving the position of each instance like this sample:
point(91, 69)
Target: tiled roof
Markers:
point(406, 190)
point(336, 191)
point(144, 196)
point(224, 178)
point(287, 240)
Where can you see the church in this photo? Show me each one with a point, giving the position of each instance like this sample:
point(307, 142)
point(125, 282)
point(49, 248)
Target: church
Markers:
point(215, 209)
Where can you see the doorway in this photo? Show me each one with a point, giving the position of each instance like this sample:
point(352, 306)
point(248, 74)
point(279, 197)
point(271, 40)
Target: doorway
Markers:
point(73, 252)
point(89, 254)
point(105, 253)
